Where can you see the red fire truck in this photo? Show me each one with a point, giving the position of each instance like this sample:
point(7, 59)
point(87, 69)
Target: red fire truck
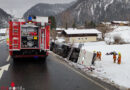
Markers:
point(29, 38)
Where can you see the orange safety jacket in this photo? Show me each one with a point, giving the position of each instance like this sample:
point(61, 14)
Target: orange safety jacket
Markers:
point(97, 54)
point(119, 59)
point(114, 56)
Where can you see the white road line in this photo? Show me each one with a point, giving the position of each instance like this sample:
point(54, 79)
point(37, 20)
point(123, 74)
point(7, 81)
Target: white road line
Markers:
point(4, 68)
point(8, 58)
point(86, 77)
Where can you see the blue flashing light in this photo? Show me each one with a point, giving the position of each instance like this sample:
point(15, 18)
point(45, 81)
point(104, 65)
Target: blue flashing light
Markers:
point(29, 18)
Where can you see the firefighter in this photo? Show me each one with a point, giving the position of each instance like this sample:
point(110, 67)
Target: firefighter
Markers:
point(94, 57)
point(97, 55)
point(100, 55)
point(119, 58)
point(114, 57)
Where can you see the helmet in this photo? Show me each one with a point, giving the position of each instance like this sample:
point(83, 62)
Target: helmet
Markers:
point(119, 53)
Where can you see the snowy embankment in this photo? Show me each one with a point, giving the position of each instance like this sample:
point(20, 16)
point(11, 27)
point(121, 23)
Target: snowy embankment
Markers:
point(120, 33)
point(119, 74)
point(2, 31)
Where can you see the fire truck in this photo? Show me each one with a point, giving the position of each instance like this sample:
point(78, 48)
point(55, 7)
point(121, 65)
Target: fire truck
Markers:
point(29, 38)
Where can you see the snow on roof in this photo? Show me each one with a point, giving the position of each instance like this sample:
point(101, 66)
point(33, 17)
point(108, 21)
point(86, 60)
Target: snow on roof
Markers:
point(122, 28)
point(82, 31)
point(65, 29)
point(60, 29)
point(124, 22)
point(3, 30)
point(106, 23)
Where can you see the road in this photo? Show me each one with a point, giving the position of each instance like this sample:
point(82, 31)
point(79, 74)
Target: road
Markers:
point(34, 74)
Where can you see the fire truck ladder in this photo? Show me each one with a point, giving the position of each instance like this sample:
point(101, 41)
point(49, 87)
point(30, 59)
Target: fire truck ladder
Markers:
point(15, 36)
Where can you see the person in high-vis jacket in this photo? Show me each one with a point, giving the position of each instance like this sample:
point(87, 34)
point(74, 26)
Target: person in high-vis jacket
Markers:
point(7, 41)
point(114, 57)
point(97, 55)
point(119, 58)
point(100, 55)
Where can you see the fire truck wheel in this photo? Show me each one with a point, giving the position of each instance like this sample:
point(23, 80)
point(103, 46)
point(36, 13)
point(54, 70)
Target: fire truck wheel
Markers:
point(14, 59)
point(43, 58)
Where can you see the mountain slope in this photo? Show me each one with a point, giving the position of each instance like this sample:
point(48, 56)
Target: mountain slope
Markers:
point(47, 9)
point(98, 10)
point(4, 17)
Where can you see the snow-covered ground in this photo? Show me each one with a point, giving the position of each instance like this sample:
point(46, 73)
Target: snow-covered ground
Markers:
point(116, 73)
point(121, 32)
point(106, 69)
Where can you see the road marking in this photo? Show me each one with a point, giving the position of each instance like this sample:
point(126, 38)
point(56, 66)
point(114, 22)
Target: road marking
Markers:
point(86, 77)
point(8, 58)
point(4, 68)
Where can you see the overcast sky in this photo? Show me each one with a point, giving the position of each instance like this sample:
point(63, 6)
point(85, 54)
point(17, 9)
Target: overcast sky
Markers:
point(17, 2)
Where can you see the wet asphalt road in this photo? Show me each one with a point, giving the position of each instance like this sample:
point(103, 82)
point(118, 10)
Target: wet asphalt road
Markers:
point(34, 74)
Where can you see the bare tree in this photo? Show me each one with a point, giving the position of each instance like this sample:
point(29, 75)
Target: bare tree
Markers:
point(53, 34)
point(104, 29)
point(129, 20)
point(67, 19)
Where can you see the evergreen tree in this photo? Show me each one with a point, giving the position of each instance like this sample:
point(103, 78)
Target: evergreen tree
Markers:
point(53, 22)
point(90, 24)
point(74, 25)
point(66, 26)
point(86, 24)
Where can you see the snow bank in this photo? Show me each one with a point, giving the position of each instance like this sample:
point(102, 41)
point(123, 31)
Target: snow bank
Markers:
point(118, 74)
point(60, 40)
point(3, 30)
point(121, 32)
